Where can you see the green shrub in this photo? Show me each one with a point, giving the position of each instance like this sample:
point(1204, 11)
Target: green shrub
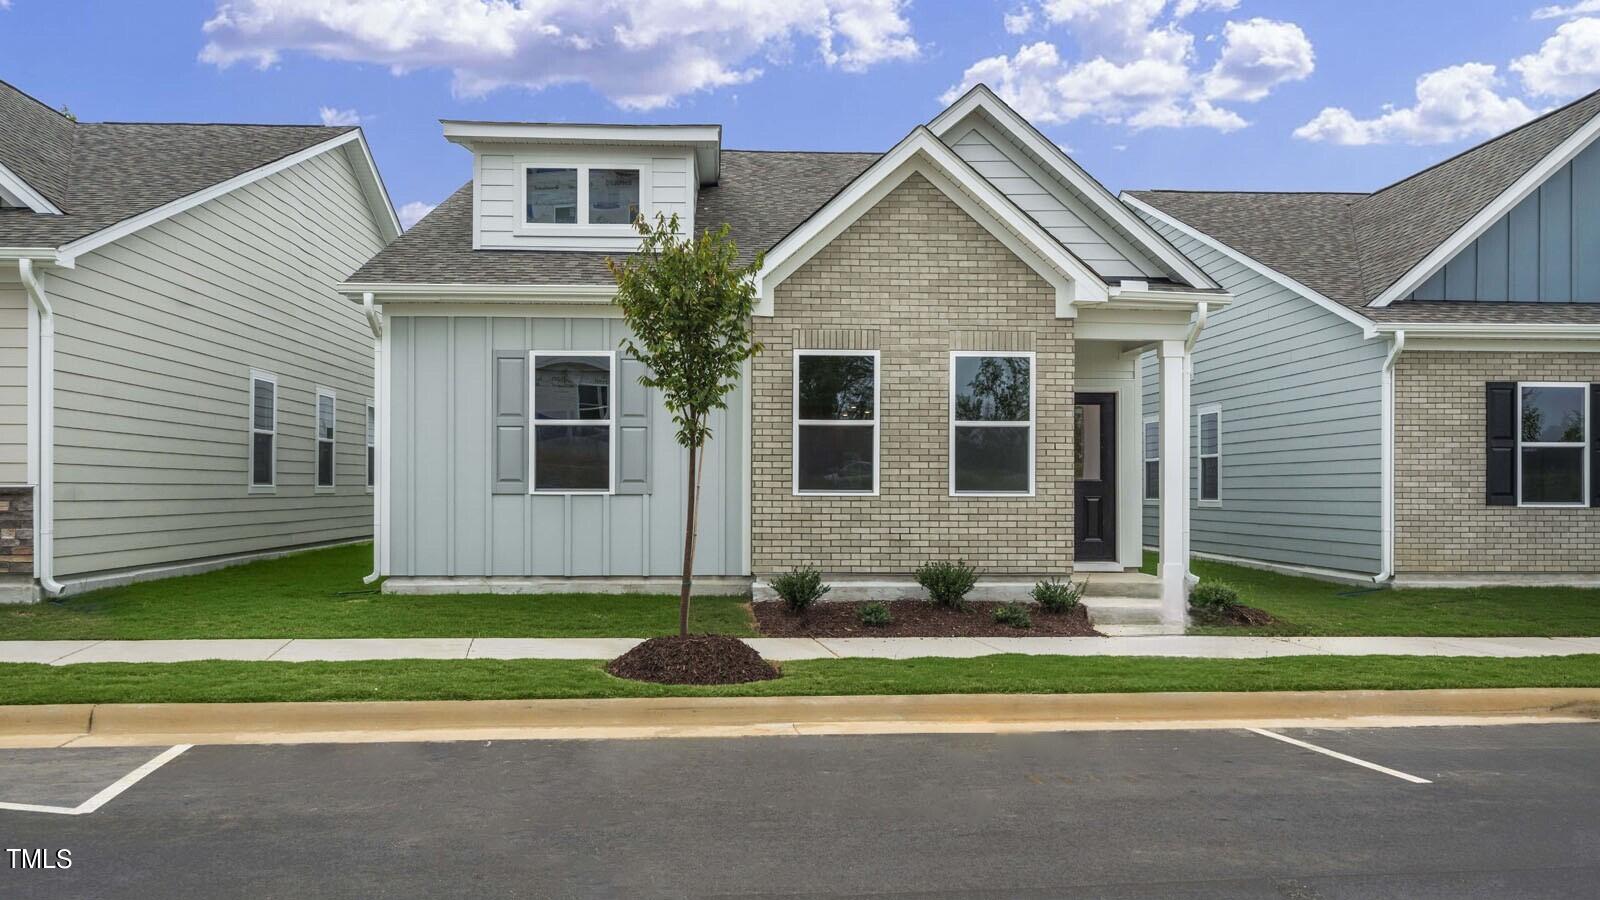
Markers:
point(1213, 595)
point(799, 588)
point(946, 582)
point(874, 615)
point(1058, 596)
point(1013, 614)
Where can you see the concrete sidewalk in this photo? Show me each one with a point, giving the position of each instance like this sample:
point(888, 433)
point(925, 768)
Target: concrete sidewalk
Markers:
point(344, 649)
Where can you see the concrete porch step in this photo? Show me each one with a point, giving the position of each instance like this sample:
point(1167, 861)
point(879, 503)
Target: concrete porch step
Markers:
point(1123, 610)
point(1121, 584)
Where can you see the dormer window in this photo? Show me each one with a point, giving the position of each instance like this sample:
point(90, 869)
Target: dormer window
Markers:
point(581, 195)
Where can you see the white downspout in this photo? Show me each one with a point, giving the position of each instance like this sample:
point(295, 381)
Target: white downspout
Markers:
point(1386, 452)
point(1202, 310)
point(375, 322)
point(44, 502)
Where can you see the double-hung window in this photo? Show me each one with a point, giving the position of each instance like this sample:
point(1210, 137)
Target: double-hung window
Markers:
point(372, 445)
point(1211, 454)
point(581, 195)
point(991, 423)
point(263, 431)
point(574, 421)
point(1152, 458)
point(836, 422)
point(325, 438)
point(1553, 444)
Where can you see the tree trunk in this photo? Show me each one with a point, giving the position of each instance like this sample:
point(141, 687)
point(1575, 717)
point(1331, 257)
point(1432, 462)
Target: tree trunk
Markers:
point(688, 542)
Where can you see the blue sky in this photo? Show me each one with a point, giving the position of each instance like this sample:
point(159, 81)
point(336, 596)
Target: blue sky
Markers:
point(1240, 94)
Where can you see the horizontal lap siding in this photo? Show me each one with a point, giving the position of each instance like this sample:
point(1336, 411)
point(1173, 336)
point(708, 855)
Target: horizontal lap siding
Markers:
point(1301, 398)
point(444, 521)
point(157, 334)
point(13, 379)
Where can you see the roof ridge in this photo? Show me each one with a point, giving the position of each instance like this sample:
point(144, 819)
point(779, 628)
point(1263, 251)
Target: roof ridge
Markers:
point(809, 152)
point(1258, 193)
point(43, 105)
point(338, 128)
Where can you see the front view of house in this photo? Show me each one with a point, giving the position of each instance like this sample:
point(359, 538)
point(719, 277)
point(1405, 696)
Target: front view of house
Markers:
point(952, 334)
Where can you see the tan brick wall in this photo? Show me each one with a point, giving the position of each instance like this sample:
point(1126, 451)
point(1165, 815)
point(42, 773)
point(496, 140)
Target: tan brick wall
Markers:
point(1442, 525)
point(915, 277)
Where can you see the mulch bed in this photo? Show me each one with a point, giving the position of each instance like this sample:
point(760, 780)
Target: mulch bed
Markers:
point(1240, 615)
point(696, 659)
point(914, 618)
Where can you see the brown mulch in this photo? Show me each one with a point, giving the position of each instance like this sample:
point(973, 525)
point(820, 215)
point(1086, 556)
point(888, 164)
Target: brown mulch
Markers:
point(915, 618)
point(1241, 615)
point(696, 659)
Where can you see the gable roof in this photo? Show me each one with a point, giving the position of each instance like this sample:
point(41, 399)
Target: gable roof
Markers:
point(1364, 250)
point(103, 174)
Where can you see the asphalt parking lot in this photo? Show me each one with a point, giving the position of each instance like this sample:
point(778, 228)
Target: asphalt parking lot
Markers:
point(1511, 811)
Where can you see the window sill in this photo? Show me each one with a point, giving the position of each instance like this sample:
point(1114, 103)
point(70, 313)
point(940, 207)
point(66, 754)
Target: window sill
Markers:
point(834, 494)
point(325, 489)
point(614, 231)
point(1209, 504)
point(1575, 505)
point(262, 490)
point(571, 493)
point(980, 495)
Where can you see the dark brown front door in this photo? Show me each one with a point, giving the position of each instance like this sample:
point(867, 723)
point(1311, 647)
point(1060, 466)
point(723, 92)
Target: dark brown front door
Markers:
point(1095, 472)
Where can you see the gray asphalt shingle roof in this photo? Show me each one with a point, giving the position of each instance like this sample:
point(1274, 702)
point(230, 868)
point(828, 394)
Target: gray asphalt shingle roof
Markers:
point(761, 196)
point(99, 174)
point(1353, 247)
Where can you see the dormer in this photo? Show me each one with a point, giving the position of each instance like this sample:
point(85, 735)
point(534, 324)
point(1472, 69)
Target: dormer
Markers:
point(579, 187)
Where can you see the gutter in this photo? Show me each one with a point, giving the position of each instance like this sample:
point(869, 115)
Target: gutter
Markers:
point(375, 322)
point(44, 503)
point(1397, 344)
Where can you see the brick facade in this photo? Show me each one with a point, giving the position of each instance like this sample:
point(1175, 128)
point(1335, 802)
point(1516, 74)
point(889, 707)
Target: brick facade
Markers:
point(914, 278)
point(1442, 524)
point(16, 531)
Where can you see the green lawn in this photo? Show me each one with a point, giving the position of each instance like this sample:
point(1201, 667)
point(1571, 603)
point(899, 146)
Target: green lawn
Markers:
point(319, 594)
point(412, 679)
point(1311, 607)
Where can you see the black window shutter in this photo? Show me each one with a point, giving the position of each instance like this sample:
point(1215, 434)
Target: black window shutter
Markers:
point(1500, 443)
point(1594, 445)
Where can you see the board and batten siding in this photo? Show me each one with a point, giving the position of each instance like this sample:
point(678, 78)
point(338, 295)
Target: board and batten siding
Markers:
point(1546, 250)
point(445, 521)
point(1301, 398)
point(156, 336)
point(667, 185)
point(13, 379)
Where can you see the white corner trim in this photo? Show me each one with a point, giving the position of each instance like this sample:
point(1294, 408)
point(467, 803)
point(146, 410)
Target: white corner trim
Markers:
point(14, 189)
point(1368, 329)
point(922, 153)
point(980, 97)
point(1499, 206)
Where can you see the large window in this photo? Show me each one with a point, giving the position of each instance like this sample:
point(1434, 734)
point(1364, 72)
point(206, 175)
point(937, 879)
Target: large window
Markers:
point(836, 422)
point(1211, 454)
point(325, 437)
point(573, 421)
point(372, 445)
point(991, 423)
point(1553, 444)
point(263, 431)
point(581, 195)
point(1152, 458)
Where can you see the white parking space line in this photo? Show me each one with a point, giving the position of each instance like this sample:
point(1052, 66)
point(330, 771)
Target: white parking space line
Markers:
point(1341, 756)
point(110, 793)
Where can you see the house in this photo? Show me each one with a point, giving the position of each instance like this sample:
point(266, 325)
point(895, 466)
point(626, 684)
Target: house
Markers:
point(1404, 387)
point(180, 385)
point(952, 331)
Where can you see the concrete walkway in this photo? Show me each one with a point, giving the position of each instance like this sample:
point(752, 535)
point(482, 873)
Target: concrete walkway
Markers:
point(303, 650)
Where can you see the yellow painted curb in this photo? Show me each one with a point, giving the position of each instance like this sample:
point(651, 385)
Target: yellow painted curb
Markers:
point(726, 716)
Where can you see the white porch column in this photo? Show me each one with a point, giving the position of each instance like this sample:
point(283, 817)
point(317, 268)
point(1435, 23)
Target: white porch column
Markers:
point(1174, 569)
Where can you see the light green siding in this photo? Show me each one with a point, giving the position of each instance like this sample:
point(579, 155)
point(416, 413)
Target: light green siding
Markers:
point(13, 378)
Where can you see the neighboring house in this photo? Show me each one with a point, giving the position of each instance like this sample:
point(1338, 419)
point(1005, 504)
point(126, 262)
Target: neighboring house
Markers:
point(180, 385)
point(1405, 384)
point(961, 319)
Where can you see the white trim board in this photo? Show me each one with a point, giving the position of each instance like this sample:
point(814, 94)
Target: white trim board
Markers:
point(14, 190)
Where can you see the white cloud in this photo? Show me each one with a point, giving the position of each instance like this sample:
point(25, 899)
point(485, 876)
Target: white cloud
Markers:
point(1257, 56)
point(412, 212)
point(641, 54)
point(1144, 72)
point(1452, 103)
point(1020, 21)
point(1566, 65)
point(334, 116)
point(1582, 7)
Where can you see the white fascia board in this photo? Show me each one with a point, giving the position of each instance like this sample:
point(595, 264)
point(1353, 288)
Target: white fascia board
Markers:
point(167, 210)
point(14, 189)
point(1495, 330)
point(1029, 137)
point(544, 293)
point(1146, 299)
point(923, 153)
point(706, 140)
point(377, 193)
point(1499, 206)
point(1368, 329)
point(48, 254)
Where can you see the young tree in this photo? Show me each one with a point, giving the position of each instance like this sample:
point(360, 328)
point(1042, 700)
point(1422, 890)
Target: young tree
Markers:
point(688, 303)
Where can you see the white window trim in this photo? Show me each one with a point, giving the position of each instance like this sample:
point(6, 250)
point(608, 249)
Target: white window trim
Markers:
point(796, 422)
point(371, 435)
point(250, 423)
point(582, 165)
point(1145, 460)
point(317, 440)
point(1032, 423)
point(535, 424)
point(1214, 409)
point(1588, 437)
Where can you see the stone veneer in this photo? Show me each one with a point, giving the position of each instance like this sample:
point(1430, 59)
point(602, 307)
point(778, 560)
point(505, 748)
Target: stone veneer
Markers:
point(914, 278)
point(1442, 524)
point(16, 531)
